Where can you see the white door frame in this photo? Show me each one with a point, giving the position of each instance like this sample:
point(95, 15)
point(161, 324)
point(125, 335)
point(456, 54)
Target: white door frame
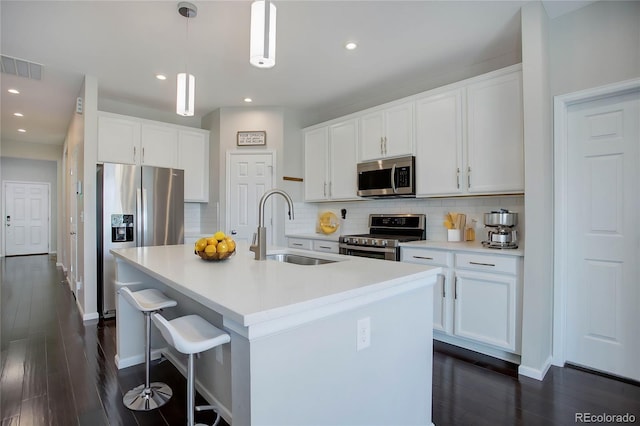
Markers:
point(4, 212)
point(561, 106)
point(230, 153)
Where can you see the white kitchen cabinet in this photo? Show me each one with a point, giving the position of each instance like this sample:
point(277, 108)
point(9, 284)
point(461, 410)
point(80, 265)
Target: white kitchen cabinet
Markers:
point(387, 132)
point(330, 162)
point(439, 143)
point(300, 243)
point(442, 306)
point(469, 137)
point(193, 158)
point(487, 294)
point(315, 244)
point(118, 139)
point(131, 140)
point(477, 299)
point(159, 145)
point(495, 135)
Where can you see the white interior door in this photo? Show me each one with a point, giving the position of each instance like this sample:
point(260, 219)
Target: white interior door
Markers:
point(603, 223)
point(26, 218)
point(250, 176)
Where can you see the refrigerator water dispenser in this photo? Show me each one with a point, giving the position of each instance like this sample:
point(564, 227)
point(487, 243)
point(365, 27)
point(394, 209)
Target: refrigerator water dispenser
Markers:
point(121, 228)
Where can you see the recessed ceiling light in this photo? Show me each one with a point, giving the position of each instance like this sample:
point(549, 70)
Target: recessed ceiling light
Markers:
point(18, 114)
point(248, 100)
point(161, 76)
point(14, 91)
point(351, 45)
point(22, 130)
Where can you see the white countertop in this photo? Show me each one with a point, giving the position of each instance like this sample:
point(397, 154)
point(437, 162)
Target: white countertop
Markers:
point(250, 291)
point(472, 246)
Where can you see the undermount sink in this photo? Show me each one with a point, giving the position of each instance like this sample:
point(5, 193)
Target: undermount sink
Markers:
point(298, 259)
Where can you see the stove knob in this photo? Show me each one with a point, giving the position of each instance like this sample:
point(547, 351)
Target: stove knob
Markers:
point(384, 242)
point(374, 242)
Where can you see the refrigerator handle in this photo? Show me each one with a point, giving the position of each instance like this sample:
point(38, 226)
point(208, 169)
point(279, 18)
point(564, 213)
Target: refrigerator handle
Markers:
point(139, 217)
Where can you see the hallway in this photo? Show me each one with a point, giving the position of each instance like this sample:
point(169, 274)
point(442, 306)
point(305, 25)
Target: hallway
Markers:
point(58, 371)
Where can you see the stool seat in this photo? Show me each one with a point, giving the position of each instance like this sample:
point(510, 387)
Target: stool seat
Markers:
point(190, 334)
point(147, 300)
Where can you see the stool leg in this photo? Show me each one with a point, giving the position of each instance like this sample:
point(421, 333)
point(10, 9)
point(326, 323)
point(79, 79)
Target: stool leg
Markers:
point(149, 395)
point(191, 384)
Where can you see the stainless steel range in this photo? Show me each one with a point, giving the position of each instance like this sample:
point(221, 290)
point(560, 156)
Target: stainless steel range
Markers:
point(386, 232)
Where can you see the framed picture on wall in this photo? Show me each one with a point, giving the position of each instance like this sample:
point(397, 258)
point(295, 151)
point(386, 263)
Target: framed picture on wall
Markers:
point(252, 138)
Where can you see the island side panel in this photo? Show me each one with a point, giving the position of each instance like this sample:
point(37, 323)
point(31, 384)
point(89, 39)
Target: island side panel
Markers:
point(313, 374)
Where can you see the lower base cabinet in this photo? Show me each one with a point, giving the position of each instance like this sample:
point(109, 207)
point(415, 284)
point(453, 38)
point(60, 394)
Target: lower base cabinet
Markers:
point(477, 298)
point(327, 246)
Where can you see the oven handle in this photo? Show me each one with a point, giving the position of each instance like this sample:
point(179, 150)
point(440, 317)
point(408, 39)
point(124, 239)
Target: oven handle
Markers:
point(368, 248)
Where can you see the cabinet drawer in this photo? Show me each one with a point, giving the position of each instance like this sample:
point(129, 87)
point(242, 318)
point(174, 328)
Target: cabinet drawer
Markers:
point(300, 243)
point(424, 256)
point(487, 263)
point(326, 246)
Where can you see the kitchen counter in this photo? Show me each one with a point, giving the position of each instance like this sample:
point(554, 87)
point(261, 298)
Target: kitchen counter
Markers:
point(335, 333)
point(471, 246)
point(316, 236)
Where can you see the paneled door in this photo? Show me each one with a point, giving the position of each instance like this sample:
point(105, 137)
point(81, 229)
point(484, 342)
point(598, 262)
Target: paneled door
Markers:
point(26, 218)
point(603, 222)
point(249, 176)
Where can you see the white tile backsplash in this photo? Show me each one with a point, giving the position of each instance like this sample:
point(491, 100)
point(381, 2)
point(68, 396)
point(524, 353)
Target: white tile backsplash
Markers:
point(191, 218)
point(306, 214)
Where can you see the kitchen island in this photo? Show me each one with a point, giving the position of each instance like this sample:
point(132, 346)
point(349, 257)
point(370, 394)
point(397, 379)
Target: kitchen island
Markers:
point(347, 342)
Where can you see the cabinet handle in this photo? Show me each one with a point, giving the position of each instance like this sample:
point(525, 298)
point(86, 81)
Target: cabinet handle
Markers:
point(483, 264)
point(385, 145)
point(423, 257)
point(142, 159)
point(325, 189)
point(134, 154)
point(458, 177)
point(381, 142)
point(330, 190)
point(296, 244)
point(469, 176)
point(443, 281)
point(455, 288)
point(325, 247)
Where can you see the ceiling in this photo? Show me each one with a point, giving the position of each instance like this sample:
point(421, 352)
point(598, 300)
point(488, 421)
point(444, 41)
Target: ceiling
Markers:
point(125, 44)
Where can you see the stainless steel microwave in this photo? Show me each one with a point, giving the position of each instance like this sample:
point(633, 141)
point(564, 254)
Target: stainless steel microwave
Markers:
point(391, 177)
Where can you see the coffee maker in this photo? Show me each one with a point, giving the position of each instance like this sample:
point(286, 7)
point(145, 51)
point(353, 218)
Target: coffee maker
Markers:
point(502, 233)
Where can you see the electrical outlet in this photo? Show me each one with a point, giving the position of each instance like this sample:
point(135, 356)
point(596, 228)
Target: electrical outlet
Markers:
point(363, 333)
point(219, 354)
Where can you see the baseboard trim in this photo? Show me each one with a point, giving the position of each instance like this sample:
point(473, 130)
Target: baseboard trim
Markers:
point(136, 359)
point(536, 373)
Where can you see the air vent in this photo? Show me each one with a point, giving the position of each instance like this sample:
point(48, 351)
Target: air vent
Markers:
point(21, 68)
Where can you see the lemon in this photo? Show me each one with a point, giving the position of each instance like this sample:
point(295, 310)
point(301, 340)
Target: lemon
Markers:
point(201, 244)
point(210, 249)
point(211, 241)
point(230, 244)
point(223, 247)
point(219, 236)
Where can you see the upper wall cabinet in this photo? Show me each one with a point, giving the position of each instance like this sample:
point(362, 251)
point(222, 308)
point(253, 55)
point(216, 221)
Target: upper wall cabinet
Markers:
point(330, 162)
point(131, 140)
point(387, 132)
point(469, 137)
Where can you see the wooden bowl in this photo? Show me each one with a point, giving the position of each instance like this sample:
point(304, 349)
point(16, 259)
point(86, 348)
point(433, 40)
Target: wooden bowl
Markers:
point(215, 256)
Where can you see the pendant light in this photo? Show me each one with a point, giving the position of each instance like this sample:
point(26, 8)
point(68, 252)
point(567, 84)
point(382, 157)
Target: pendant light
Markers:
point(262, 49)
point(185, 102)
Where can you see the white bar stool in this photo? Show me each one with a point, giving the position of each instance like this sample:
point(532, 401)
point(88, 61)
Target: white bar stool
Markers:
point(191, 335)
point(147, 396)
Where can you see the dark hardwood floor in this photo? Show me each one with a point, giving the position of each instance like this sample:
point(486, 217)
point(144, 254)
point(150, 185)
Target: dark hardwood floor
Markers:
point(56, 370)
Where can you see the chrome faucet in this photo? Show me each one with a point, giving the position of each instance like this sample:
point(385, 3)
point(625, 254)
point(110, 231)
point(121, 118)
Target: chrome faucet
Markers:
point(259, 245)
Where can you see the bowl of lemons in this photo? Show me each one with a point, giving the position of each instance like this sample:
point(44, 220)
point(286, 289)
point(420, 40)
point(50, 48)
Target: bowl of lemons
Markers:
point(217, 247)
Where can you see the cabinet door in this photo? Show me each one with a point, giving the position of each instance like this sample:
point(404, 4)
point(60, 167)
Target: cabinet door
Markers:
point(439, 144)
point(118, 139)
point(193, 158)
point(316, 148)
point(495, 152)
point(485, 308)
point(343, 181)
point(371, 136)
point(159, 145)
point(398, 130)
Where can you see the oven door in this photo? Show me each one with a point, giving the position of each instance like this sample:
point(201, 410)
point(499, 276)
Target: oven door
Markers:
point(384, 253)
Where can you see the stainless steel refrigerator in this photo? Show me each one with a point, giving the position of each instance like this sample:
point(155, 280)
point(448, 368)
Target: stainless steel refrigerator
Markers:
point(136, 206)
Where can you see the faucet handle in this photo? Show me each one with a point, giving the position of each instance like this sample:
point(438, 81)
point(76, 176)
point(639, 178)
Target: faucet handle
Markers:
point(255, 238)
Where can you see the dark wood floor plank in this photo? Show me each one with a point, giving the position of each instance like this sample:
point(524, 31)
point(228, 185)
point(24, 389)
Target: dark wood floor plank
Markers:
point(62, 407)
point(11, 382)
point(35, 411)
point(35, 367)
